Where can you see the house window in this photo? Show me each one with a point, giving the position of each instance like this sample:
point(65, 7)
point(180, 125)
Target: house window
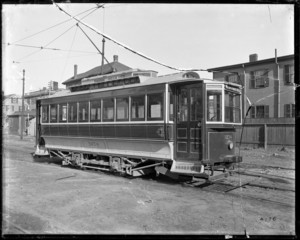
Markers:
point(259, 79)
point(13, 108)
point(14, 100)
point(289, 110)
point(233, 78)
point(20, 108)
point(289, 74)
point(261, 111)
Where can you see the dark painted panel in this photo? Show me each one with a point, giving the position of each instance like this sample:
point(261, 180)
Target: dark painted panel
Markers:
point(170, 132)
point(72, 130)
point(45, 130)
point(54, 130)
point(83, 130)
point(63, 130)
point(156, 132)
point(122, 131)
point(139, 131)
point(96, 131)
point(109, 131)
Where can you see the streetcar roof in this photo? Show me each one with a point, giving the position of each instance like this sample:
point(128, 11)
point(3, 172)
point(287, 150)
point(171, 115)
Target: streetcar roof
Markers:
point(164, 79)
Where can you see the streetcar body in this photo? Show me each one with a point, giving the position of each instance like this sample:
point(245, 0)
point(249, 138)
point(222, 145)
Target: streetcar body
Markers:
point(133, 124)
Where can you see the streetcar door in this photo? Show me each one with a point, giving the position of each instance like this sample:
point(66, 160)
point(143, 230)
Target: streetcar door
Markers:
point(189, 114)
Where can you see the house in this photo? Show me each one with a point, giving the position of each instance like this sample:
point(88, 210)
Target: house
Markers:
point(114, 66)
point(268, 85)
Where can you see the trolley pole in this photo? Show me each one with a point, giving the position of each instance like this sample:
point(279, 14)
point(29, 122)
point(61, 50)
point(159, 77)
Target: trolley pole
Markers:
point(22, 116)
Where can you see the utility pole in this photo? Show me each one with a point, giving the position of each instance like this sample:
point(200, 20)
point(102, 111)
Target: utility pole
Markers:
point(103, 42)
point(22, 116)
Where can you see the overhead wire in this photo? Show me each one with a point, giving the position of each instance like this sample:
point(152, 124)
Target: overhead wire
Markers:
point(53, 26)
point(44, 47)
point(123, 45)
point(69, 53)
point(94, 45)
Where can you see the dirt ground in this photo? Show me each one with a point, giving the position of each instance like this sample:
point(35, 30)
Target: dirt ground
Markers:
point(44, 198)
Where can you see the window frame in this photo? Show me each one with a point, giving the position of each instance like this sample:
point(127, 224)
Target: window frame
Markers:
point(131, 106)
point(104, 119)
point(259, 75)
point(70, 104)
point(86, 113)
point(61, 105)
point(43, 111)
point(162, 106)
point(289, 74)
point(100, 112)
point(125, 119)
point(289, 110)
point(57, 110)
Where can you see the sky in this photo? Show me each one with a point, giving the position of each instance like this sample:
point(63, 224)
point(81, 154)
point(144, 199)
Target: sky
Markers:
point(184, 36)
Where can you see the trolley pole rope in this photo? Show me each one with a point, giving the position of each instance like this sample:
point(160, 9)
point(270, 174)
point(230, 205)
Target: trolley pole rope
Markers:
point(123, 45)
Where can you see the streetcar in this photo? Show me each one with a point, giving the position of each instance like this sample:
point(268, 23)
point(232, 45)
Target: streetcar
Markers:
point(137, 123)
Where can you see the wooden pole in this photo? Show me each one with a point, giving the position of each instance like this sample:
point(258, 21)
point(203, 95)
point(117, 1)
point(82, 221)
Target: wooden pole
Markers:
point(22, 116)
point(265, 136)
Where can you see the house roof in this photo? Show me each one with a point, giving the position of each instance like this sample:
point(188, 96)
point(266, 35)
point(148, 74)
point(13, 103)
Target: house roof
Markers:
point(258, 62)
point(31, 113)
point(107, 68)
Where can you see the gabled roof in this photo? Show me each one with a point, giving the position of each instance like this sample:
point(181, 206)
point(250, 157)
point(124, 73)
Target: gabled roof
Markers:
point(107, 68)
point(31, 113)
point(258, 62)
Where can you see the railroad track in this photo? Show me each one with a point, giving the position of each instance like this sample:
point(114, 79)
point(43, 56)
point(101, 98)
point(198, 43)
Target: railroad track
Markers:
point(224, 186)
point(252, 189)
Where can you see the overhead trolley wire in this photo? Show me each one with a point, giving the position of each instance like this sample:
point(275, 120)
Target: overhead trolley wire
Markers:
point(44, 47)
point(95, 8)
point(94, 45)
point(123, 45)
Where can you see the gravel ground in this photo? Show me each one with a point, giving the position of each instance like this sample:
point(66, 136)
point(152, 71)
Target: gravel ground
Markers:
point(44, 198)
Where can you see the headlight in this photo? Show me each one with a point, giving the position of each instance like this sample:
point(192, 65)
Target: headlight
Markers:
point(230, 145)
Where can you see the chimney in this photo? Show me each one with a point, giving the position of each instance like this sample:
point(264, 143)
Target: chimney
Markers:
point(75, 71)
point(116, 58)
point(253, 57)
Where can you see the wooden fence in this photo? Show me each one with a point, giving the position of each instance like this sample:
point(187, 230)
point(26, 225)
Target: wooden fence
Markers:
point(267, 132)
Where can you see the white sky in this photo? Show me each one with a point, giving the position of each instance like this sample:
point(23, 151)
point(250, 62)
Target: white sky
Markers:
point(180, 35)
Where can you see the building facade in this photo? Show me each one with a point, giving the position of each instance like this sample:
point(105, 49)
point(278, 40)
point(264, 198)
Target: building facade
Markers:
point(268, 85)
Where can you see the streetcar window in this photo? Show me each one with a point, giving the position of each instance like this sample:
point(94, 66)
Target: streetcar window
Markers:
point(232, 107)
point(95, 111)
point(53, 113)
point(155, 106)
point(138, 108)
point(72, 112)
point(45, 113)
point(171, 106)
point(108, 109)
point(122, 109)
point(214, 105)
point(196, 104)
point(63, 112)
point(83, 111)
